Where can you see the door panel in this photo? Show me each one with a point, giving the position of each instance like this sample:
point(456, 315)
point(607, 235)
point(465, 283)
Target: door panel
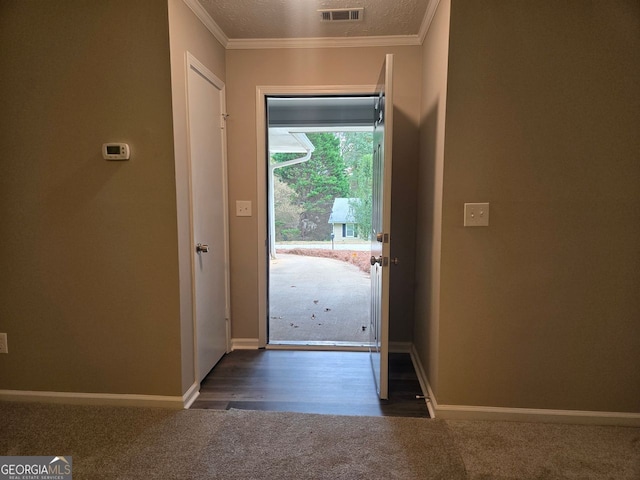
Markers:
point(381, 225)
point(208, 192)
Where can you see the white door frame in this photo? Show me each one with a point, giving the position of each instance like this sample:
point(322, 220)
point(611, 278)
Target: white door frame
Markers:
point(193, 62)
point(261, 157)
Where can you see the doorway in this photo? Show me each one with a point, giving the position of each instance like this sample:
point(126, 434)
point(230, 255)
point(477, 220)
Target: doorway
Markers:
point(381, 210)
point(319, 169)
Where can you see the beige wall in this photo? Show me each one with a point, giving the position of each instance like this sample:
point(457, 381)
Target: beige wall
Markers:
point(89, 294)
point(247, 69)
point(435, 54)
point(187, 34)
point(541, 309)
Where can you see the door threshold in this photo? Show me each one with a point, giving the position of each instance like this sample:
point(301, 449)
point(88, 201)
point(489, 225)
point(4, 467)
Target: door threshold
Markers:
point(317, 345)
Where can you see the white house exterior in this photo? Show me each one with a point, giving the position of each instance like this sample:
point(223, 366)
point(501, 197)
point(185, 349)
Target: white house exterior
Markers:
point(342, 219)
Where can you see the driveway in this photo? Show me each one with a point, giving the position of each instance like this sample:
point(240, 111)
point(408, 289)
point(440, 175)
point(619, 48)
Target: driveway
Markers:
point(318, 299)
point(359, 246)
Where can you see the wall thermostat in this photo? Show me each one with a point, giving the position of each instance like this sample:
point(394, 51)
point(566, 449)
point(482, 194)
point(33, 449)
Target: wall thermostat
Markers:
point(115, 151)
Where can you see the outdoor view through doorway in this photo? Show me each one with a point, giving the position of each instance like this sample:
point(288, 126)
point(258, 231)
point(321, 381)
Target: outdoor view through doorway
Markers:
point(319, 197)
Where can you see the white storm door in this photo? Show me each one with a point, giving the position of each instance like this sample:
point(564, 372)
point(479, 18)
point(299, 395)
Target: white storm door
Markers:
point(209, 222)
point(380, 225)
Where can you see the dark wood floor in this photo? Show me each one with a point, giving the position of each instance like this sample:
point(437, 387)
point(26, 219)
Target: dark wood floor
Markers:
point(338, 383)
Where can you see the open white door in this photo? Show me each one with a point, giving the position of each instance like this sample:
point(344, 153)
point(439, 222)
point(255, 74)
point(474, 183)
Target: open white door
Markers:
point(381, 225)
point(209, 218)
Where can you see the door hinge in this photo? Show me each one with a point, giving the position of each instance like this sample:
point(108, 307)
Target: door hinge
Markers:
point(224, 120)
point(382, 238)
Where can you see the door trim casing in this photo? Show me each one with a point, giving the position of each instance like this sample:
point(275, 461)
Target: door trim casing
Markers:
point(263, 91)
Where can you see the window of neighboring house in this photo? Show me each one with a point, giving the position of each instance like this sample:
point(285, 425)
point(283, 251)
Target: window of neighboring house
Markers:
point(349, 230)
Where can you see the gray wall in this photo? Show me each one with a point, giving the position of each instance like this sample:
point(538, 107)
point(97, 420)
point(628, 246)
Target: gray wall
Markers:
point(247, 69)
point(435, 56)
point(532, 107)
point(187, 34)
point(89, 294)
point(541, 309)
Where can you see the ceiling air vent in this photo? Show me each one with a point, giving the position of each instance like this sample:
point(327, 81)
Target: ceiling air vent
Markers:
point(342, 15)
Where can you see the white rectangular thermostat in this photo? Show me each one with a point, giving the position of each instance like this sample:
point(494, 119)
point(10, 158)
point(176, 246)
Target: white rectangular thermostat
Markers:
point(115, 151)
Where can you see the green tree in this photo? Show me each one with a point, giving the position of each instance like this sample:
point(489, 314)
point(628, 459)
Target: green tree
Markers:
point(287, 211)
point(361, 193)
point(316, 183)
point(357, 148)
point(353, 145)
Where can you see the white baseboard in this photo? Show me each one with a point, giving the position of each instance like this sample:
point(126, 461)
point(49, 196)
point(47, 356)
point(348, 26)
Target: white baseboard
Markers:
point(190, 395)
point(108, 399)
point(578, 417)
point(244, 344)
point(424, 381)
point(472, 412)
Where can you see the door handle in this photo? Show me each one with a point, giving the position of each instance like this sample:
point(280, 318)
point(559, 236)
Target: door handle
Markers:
point(375, 260)
point(200, 248)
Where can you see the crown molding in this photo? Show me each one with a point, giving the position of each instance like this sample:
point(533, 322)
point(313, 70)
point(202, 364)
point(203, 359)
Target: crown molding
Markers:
point(432, 7)
point(328, 42)
point(207, 21)
point(317, 42)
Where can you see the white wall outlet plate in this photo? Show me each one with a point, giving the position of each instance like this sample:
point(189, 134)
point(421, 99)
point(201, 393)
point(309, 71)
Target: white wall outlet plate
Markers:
point(4, 348)
point(476, 214)
point(243, 208)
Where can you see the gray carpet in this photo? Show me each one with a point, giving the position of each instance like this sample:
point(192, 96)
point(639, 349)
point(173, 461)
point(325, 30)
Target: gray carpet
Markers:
point(136, 443)
point(511, 450)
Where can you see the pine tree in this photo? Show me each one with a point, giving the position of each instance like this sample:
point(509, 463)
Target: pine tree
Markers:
point(317, 183)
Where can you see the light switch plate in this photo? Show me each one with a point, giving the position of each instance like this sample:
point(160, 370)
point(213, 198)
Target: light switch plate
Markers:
point(243, 208)
point(476, 214)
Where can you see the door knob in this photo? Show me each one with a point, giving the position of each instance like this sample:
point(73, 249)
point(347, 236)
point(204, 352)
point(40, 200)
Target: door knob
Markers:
point(202, 248)
point(375, 260)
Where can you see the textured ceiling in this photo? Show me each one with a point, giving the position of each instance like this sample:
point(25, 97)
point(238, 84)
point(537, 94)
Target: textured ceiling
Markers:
point(254, 19)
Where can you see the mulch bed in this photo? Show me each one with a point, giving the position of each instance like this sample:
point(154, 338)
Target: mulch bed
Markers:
point(358, 258)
